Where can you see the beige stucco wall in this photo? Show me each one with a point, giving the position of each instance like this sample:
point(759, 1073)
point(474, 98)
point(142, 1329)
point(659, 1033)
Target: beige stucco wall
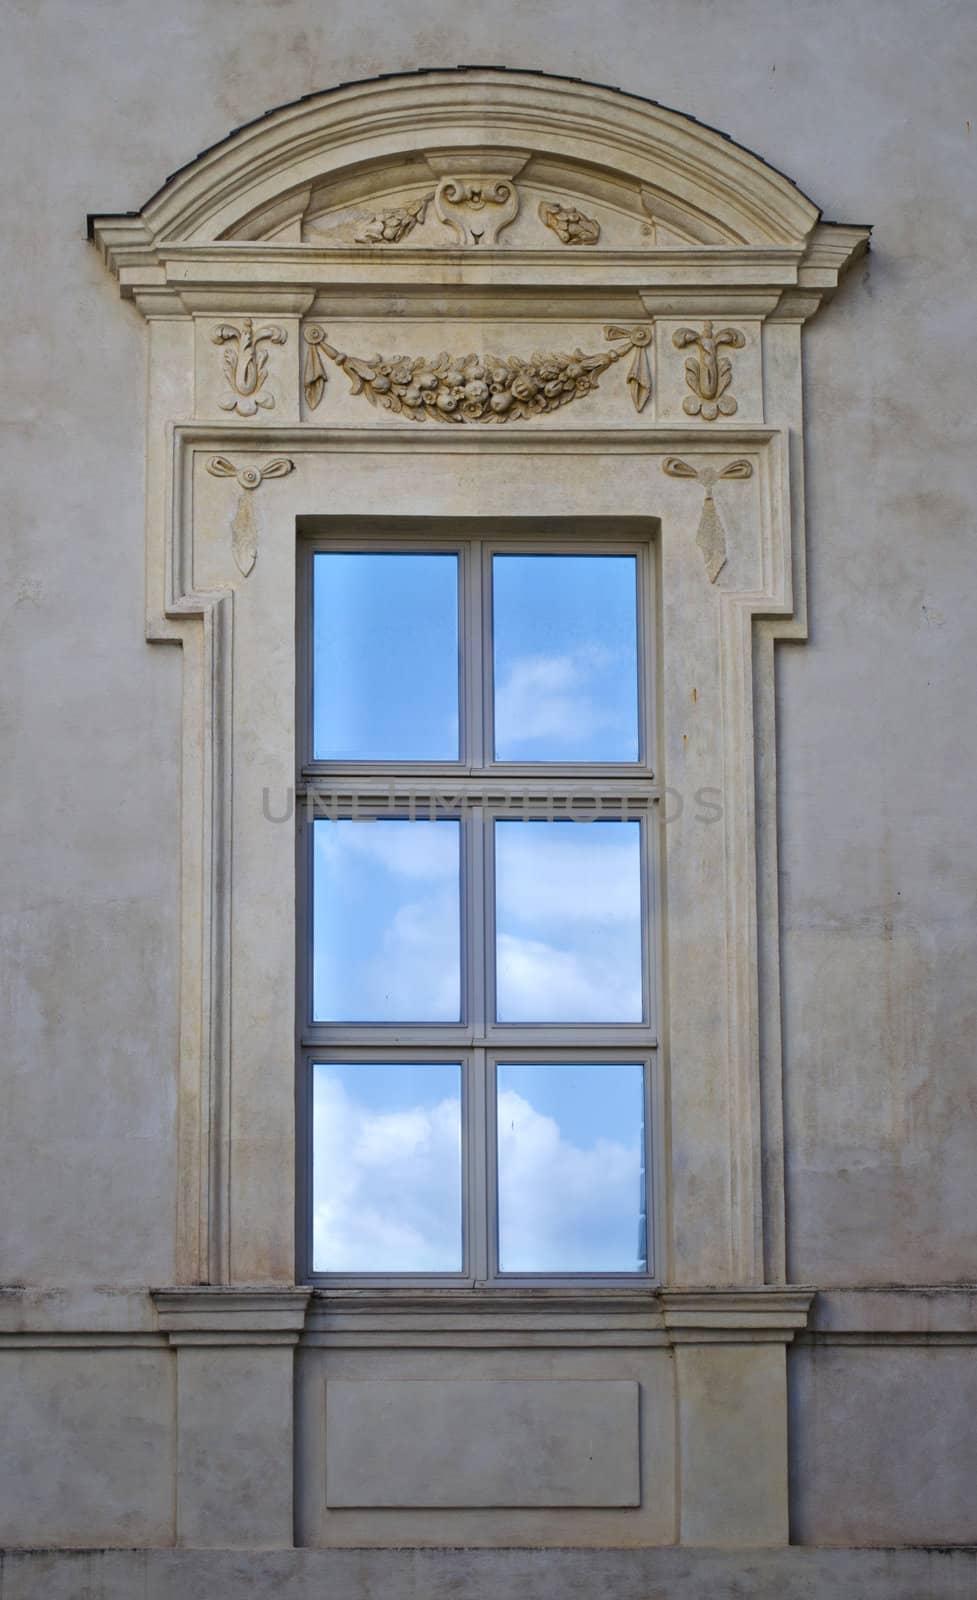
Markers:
point(872, 109)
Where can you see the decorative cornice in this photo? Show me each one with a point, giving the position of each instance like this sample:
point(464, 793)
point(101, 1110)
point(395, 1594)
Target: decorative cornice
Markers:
point(304, 143)
point(735, 1316)
point(231, 1316)
point(473, 388)
point(504, 1316)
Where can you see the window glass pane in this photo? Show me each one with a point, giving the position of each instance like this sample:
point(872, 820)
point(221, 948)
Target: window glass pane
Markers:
point(566, 658)
point(386, 921)
point(386, 1167)
point(572, 1190)
point(385, 657)
point(568, 921)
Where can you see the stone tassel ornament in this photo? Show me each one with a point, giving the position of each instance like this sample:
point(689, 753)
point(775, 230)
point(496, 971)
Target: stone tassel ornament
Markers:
point(711, 537)
point(244, 524)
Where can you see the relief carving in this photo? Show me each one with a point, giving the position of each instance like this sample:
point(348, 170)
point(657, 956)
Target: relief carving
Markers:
point(708, 374)
point(476, 209)
point(639, 372)
point(244, 525)
point(389, 227)
point(314, 377)
point(569, 224)
point(473, 388)
point(711, 537)
point(245, 365)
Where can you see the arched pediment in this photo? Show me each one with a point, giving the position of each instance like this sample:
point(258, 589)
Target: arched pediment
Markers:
point(321, 171)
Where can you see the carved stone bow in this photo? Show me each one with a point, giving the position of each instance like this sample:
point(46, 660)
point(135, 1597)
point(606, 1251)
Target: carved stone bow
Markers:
point(711, 537)
point(244, 526)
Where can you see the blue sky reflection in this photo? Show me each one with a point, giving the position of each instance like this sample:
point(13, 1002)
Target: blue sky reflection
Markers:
point(568, 921)
point(566, 657)
point(571, 1185)
point(386, 1167)
point(385, 674)
point(386, 932)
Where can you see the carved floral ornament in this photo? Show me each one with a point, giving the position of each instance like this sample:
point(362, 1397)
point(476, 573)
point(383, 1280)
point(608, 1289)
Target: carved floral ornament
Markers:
point(473, 388)
point(476, 211)
point(711, 537)
point(389, 227)
point(244, 525)
point(245, 364)
point(708, 374)
point(569, 224)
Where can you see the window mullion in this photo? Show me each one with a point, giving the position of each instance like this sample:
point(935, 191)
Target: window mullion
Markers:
point(479, 1156)
point(472, 649)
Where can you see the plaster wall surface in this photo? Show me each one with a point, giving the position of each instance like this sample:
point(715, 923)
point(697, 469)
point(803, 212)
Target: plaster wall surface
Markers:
point(872, 110)
point(896, 1418)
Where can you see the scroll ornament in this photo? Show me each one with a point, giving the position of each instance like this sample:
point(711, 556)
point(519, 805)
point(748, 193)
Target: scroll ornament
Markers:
point(245, 364)
point(473, 388)
point(476, 210)
point(711, 537)
point(244, 526)
point(708, 374)
point(569, 224)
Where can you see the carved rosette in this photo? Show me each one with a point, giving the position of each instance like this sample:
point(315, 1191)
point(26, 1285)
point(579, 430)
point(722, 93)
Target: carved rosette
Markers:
point(473, 388)
point(711, 537)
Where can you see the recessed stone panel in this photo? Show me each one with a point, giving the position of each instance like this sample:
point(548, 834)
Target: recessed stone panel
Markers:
point(488, 1443)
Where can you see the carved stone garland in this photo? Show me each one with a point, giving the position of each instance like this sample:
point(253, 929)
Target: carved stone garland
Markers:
point(474, 388)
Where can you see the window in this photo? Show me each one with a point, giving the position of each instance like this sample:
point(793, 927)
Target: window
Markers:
point(477, 924)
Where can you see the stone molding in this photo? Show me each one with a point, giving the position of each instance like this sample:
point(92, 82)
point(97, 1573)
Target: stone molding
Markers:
point(590, 1318)
point(904, 1314)
point(225, 1316)
point(793, 1573)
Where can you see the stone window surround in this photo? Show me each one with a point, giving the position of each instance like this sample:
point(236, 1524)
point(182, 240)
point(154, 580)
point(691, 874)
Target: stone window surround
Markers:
point(219, 258)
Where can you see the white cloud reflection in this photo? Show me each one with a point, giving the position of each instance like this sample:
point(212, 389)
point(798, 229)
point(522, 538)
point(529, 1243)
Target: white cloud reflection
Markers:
point(564, 1206)
point(569, 922)
point(554, 696)
point(386, 1183)
point(387, 935)
point(386, 1186)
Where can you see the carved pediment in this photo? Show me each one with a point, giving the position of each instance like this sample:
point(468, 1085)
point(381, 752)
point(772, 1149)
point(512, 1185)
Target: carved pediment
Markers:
point(491, 199)
point(361, 186)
